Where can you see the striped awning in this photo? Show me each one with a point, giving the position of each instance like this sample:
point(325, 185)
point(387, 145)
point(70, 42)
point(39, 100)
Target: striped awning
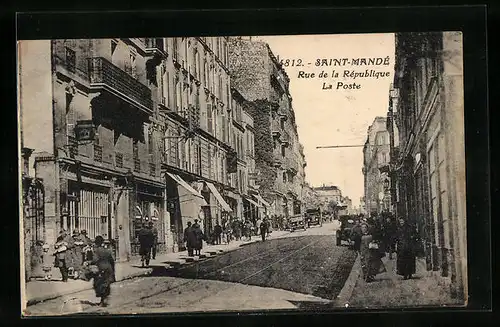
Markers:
point(219, 197)
point(262, 201)
point(254, 203)
point(188, 187)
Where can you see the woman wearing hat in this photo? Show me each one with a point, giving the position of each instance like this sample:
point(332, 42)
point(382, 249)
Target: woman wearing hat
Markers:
point(105, 272)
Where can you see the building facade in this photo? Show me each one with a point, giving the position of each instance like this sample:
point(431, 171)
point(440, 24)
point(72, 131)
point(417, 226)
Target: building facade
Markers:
point(330, 199)
point(376, 158)
point(426, 120)
point(279, 160)
point(127, 131)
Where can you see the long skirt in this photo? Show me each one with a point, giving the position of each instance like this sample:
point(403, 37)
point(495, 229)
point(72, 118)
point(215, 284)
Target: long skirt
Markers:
point(371, 264)
point(406, 262)
point(102, 283)
point(75, 258)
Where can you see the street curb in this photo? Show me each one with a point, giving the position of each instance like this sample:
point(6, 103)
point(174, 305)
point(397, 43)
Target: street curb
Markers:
point(345, 294)
point(40, 299)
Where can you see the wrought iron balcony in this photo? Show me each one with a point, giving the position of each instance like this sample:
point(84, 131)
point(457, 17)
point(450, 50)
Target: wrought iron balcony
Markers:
point(73, 146)
point(105, 75)
point(137, 164)
point(97, 153)
point(119, 160)
point(152, 169)
point(285, 139)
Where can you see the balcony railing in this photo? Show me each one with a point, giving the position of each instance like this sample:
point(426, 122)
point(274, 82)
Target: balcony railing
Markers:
point(104, 74)
point(119, 160)
point(97, 153)
point(152, 169)
point(73, 146)
point(137, 164)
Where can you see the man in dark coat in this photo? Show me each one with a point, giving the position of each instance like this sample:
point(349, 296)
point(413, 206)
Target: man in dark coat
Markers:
point(189, 238)
point(356, 235)
point(217, 233)
point(146, 239)
point(263, 230)
point(406, 265)
point(390, 233)
point(199, 237)
point(155, 239)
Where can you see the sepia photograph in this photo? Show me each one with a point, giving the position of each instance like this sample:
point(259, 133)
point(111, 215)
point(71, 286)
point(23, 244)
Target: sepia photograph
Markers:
point(242, 173)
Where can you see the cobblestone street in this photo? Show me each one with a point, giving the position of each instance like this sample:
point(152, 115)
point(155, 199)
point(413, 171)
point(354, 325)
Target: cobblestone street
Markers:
point(261, 276)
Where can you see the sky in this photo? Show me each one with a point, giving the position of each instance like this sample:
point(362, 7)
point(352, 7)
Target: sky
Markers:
point(335, 116)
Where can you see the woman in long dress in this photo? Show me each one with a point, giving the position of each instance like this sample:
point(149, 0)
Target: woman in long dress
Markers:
point(371, 263)
point(105, 263)
point(405, 243)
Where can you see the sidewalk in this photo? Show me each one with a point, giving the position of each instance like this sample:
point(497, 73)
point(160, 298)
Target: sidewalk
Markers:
point(38, 290)
point(389, 290)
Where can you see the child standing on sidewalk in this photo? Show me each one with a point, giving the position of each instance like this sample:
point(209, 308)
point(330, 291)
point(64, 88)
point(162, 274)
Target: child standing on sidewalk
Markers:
point(46, 262)
point(61, 247)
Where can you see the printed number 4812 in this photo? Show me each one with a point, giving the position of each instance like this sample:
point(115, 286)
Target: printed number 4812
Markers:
point(292, 62)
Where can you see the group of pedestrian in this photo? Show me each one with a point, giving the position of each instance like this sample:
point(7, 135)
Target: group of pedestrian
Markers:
point(379, 236)
point(148, 241)
point(78, 256)
point(71, 253)
point(194, 237)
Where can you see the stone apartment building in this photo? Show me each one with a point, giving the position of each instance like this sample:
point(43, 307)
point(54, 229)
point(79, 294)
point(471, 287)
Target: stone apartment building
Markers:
point(330, 199)
point(376, 158)
point(257, 75)
point(426, 121)
point(126, 131)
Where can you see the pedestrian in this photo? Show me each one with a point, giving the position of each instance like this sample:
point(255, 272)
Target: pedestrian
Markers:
point(74, 258)
point(155, 239)
point(390, 233)
point(263, 230)
point(47, 262)
point(61, 248)
point(104, 275)
point(371, 263)
point(189, 239)
point(87, 246)
point(198, 236)
point(356, 235)
point(249, 230)
point(405, 247)
point(146, 238)
point(217, 233)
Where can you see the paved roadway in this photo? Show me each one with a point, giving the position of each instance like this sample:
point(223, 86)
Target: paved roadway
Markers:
point(297, 270)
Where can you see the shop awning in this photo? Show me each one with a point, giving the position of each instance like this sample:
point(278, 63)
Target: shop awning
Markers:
point(219, 198)
point(261, 200)
point(253, 202)
point(188, 187)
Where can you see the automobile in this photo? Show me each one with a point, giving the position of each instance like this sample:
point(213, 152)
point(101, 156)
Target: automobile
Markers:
point(344, 233)
point(314, 217)
point(296, 222)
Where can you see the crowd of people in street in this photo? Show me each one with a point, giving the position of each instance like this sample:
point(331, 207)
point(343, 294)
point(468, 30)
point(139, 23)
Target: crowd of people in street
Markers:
point(228, 231)
point(381, 235)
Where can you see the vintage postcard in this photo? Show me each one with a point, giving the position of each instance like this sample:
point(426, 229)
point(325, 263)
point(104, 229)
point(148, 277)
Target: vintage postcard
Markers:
point(198, 174)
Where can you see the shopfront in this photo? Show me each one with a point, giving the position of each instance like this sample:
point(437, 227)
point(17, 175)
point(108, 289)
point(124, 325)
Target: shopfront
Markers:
point(148, 207)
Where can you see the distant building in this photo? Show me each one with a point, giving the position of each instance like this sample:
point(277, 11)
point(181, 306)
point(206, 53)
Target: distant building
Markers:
point(376, 153)
point(258, 76)
point(330, 197)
